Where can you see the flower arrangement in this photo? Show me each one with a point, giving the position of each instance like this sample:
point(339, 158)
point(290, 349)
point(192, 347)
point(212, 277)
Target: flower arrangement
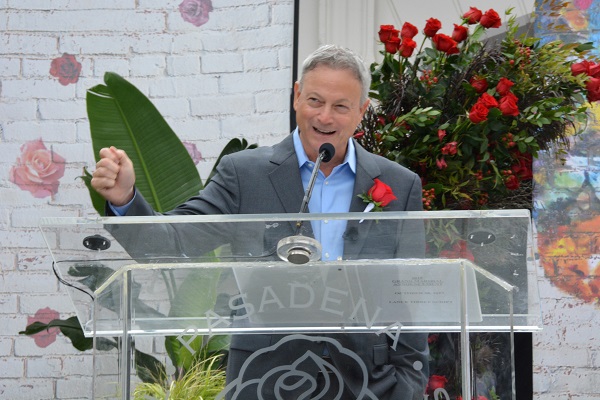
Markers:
point(468, 116)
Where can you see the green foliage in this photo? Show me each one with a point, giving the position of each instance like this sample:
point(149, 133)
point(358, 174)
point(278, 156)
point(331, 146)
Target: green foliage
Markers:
point(121, 116)
point(204, 381)
point(71, 329)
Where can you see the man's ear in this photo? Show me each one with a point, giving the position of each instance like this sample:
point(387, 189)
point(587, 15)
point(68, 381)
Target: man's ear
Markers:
point(297, 92)
point(363, 108)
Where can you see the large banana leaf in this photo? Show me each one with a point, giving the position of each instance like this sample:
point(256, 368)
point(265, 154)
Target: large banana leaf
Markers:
point(121, 116)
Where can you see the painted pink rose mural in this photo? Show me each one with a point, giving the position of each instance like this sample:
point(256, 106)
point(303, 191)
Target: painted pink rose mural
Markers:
point(193, 151)
point(38, 169)
point(195, 11)
point(47, 337)
point(66, 69)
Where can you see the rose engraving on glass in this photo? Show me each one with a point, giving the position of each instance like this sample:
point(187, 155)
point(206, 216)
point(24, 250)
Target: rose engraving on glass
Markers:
point(310, 376)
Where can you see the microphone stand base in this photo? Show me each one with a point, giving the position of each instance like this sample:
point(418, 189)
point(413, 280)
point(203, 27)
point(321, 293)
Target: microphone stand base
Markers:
point(299, 249)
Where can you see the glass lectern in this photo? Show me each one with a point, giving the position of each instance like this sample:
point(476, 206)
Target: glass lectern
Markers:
point(262, 279)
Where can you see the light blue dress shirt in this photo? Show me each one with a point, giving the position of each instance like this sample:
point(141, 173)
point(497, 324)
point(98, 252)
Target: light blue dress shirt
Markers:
point(331, 194)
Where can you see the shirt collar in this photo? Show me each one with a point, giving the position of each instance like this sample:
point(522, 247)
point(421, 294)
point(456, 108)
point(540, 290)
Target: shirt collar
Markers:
point(350, 158)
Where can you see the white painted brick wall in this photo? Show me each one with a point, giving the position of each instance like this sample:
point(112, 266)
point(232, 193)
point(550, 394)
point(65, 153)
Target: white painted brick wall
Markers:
point(183, 65)
point(228, 78)
point(189, 72)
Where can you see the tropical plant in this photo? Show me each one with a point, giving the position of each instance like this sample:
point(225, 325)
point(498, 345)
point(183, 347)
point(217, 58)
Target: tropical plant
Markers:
point(122, 116)
point(469, 116)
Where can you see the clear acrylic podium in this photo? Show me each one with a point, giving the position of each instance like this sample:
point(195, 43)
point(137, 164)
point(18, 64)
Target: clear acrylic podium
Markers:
point(136, 280)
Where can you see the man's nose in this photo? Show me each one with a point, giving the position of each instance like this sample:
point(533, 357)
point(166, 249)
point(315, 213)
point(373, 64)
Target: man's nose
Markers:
point(326, 115)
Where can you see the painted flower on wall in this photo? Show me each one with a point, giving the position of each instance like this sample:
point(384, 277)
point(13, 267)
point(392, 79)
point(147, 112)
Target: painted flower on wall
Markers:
point(195, 11)
point(38, 169)
point(47, 337)
point(193, 152)
point(66, 69)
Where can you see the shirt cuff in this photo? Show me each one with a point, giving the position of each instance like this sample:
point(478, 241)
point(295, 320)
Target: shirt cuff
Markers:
point(122, 210)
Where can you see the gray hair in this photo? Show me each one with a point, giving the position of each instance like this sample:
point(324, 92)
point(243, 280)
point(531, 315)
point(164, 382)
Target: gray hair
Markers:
point(336, 57)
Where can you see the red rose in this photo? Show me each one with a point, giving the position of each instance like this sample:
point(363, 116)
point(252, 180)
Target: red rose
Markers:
point(66, 69)
point(450, 149)
point(582, 67)
point(472, 16)
point(594, 70)
point(407, 47)
point(460, 33)
point(478, 113)
point(508, 105)
point(392, 45)
point(381, 193)
point(522, 168)
point(490, 19)
point(409, 30)
point(441, 163)
point(441, 134)
point(386, 32)
point(436, 382)
point(445, 44)
point(432, 26)
point(504, 86)
point(512, 182)
point(458, 250)
point(433, 337)
point(488, 100)
point(593, 88)
point(480, 84)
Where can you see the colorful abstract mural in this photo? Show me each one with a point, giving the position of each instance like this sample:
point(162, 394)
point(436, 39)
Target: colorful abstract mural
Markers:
point(567, 202)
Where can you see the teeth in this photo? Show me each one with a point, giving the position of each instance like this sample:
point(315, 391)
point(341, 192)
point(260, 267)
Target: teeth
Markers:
point(326, 132)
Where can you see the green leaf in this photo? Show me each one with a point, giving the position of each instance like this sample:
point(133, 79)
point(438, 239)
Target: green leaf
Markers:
point(196, 295)
point(71, 329)
point(121, 116)
point(233, 146)
point(98, 201)
point(484, 145)
point(179, 352)
point(148, 368)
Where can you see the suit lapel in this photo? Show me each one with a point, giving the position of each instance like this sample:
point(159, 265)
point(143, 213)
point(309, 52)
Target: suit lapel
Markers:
point(356, 233)
point(287, 184)
point(286, 180)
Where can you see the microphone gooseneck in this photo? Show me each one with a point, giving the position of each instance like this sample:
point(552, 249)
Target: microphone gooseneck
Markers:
point(299, 249)
point(326, 153)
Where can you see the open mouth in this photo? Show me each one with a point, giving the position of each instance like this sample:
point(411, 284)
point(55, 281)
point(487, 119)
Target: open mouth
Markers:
point(323, 132)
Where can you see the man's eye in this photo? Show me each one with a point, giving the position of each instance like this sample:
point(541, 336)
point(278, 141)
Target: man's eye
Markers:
point(314, 101)
point(342, 108)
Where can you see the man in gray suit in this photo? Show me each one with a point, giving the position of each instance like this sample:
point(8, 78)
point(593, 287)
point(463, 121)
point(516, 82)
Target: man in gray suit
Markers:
point(329, 99)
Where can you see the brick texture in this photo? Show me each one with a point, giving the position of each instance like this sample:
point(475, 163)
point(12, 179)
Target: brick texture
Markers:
point(189, 72)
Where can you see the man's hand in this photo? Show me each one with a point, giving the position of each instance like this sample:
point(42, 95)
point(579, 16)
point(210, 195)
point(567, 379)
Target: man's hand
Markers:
point(114, 177)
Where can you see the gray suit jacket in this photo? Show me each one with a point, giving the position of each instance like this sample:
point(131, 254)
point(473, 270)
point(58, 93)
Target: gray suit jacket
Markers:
point(267, 180)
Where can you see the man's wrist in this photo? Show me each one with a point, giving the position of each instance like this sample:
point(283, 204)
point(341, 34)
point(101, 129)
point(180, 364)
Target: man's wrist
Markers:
point(121, 210)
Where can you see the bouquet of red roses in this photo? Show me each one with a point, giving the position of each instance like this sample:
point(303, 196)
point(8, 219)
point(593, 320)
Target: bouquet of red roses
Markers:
point(469, 116)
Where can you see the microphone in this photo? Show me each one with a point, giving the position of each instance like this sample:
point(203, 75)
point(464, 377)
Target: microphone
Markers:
point(326, 153)
point(299, 249)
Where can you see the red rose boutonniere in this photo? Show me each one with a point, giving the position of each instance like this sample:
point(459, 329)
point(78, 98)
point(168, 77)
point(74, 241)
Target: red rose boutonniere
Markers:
point(378, 197)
